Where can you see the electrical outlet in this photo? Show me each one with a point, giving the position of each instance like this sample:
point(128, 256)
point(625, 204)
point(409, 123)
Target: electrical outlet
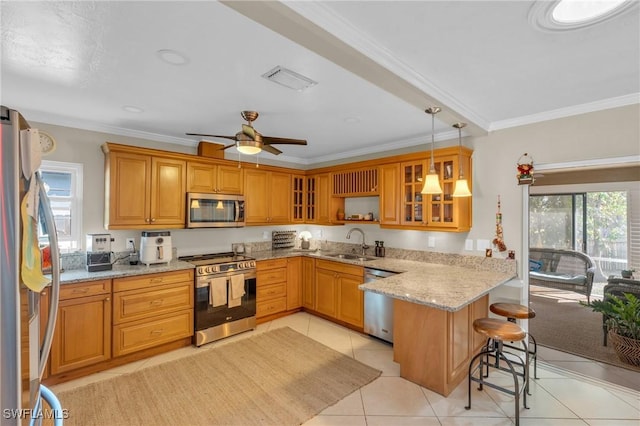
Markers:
point(431, 242)
point(130, 244)
point(468, 245)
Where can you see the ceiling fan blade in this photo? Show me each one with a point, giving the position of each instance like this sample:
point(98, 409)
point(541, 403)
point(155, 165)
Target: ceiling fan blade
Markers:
point(271, 140)
point(233, 138)
point(249, 131)
point(271, 149)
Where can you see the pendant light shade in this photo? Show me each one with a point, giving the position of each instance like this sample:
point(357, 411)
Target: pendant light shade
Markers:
point(462, 186)
point(432, 180)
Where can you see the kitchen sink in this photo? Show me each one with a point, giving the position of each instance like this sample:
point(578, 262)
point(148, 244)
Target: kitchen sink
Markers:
point(351, 256)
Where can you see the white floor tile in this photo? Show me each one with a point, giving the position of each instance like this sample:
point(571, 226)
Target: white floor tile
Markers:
point(454, 404)
point(402, 421)
point(395, 396)
point(323, 420)
point(382, 360)
point(351, 405)
point(475, 421)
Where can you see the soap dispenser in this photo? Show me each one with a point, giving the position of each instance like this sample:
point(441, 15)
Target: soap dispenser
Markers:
point(377, 248)
point(380, 249)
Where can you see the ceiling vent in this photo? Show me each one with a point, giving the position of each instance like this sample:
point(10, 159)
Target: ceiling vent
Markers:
point(288, 78)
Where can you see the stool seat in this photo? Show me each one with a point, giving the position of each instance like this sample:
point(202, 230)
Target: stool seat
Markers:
point(512, 310)
point(499, 329)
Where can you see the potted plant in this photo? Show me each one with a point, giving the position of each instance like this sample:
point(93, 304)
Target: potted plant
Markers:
point(622, 318)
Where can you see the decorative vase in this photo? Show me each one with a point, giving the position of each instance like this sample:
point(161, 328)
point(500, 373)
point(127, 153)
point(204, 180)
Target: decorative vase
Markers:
point(627, 349)
point(340, 215)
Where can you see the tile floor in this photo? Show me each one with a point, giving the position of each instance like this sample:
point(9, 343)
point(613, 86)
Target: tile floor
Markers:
point(559, 396)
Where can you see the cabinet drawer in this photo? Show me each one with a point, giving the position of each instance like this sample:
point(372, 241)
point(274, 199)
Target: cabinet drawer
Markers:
point(135, 336)
point(139, 304)
point(272, 306)
point(271, 291)
point(89, 288)
point(344, 268)
point(262, 265)
point(272, 276)
point(151, 280)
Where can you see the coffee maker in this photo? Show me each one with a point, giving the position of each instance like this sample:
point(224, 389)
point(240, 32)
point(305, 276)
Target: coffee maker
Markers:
point(155, 247)
point(99, 252)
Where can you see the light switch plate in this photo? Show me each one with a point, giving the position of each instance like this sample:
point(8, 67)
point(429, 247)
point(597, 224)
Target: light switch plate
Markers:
point(468, 245)
point(431, 242)
point(482, 245)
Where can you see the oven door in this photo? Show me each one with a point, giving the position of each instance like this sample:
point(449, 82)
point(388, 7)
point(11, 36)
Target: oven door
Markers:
point(207, 316)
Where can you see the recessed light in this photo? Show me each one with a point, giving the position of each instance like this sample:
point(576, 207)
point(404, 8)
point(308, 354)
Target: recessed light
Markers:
point(351, 120)
point(172, 57)
point(568, 15)
point(131, 108)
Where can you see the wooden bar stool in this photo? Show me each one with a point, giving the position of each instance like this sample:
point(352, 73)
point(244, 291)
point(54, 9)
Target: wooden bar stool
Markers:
point(514, 311)
point(498, 331)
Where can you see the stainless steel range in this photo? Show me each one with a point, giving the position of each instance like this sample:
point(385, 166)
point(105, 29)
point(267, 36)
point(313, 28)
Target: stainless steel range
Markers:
point(225, 295)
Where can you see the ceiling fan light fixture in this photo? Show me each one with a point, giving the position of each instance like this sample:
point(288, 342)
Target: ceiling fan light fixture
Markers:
point(287, 78)
point(249, 147)
point(432, 180)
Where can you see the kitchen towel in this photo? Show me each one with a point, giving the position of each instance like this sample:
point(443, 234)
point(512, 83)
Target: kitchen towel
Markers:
point(218, 291)
point(237, 290)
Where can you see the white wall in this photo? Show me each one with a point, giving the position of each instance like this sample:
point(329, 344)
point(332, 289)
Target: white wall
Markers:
point(606, 134)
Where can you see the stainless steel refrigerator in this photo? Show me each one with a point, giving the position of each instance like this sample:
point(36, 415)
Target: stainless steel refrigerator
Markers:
point(24, 346)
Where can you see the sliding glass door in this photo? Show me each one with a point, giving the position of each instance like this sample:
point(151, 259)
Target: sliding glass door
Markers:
point(594, 223)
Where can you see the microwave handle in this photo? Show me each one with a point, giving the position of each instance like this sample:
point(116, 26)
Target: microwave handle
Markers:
point(237, 218)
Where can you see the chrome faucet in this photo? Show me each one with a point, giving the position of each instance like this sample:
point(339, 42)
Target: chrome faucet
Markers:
point(363, 245)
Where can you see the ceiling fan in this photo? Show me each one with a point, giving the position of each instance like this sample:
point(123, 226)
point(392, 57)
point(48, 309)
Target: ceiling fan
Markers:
point(250, 141)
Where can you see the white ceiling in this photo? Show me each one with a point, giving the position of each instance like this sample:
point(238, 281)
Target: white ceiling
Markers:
point(378, 65)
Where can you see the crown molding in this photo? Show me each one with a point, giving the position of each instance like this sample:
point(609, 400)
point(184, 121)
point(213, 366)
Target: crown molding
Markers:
point(604, 104)
point(334, 24)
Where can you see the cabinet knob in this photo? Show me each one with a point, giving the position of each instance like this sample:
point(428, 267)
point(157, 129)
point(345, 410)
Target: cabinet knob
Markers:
point(107, 299)
point(153, 219)
point(147, 220)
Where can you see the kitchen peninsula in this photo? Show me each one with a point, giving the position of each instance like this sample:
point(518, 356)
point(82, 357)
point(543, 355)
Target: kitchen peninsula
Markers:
point(434, 309)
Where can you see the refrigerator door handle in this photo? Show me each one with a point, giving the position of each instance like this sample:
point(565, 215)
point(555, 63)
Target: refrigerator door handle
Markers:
point(55, 276)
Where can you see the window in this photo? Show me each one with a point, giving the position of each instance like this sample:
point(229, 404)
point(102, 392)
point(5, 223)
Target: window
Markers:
point(63, 183)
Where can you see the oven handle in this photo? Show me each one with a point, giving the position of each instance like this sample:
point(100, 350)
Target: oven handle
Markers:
point(203, 281)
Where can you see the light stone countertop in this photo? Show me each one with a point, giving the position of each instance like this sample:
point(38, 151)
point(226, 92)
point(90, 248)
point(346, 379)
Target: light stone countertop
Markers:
point(444, 286)
point(119, 271)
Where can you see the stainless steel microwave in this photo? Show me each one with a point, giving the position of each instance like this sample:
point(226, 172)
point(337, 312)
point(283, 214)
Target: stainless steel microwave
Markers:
point(214, 210)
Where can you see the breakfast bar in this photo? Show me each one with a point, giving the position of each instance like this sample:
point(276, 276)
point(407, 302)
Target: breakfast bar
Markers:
point(434, 309)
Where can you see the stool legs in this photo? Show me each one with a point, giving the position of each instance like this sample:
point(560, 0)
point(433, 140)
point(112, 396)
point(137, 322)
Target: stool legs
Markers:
point(494, 349)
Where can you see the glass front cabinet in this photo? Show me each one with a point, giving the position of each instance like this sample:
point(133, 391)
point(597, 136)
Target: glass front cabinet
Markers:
point(435, 211)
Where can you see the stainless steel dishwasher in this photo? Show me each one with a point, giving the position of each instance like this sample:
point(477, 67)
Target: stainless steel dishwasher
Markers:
point(378, 308)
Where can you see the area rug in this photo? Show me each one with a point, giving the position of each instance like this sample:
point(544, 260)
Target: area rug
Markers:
point(279, 377)
point(563, 324)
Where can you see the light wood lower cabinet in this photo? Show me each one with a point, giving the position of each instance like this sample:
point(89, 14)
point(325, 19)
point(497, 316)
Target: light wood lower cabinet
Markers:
point(308, 280)
point(150, 310)
point(294, 283)
point(83, 328)
point(271, 287)
point(336, 291)
point(434, 346)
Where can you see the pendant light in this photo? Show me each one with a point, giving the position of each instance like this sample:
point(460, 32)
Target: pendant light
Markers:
point(432, 180)
point(462, 186)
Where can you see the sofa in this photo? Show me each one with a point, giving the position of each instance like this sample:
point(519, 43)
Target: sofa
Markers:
point(617, 286)
point(562, 269)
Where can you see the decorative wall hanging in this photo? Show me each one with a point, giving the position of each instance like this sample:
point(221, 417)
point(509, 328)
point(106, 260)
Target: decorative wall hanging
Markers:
point(498, 241)
point(525, 170)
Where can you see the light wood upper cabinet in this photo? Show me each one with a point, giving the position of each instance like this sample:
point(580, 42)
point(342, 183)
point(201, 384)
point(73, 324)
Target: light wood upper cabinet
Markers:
point(82, 334)
point(298, 204)
point(143, 191)
point(214, 178)
point(390, 194)
point(326, 206)
point(267, 197)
